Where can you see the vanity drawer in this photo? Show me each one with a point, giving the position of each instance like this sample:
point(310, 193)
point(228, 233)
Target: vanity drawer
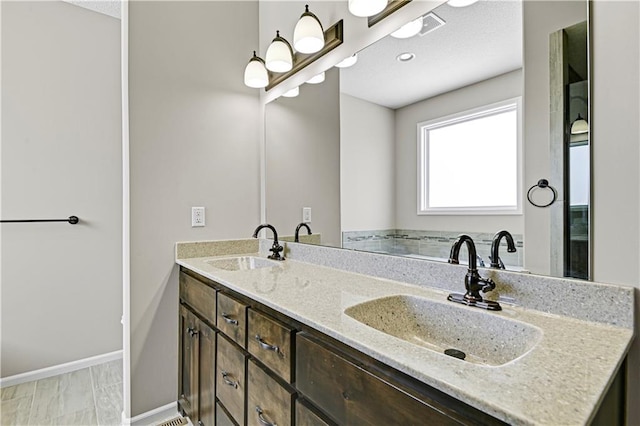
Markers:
point(232, 319)
point(271, 342)
point(198, 296)
point(353, 396)
point(267, 401)
point(306, 417)
point(230, 378)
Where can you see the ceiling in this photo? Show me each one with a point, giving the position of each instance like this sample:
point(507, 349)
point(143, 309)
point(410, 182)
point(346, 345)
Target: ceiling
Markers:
point(477, 42)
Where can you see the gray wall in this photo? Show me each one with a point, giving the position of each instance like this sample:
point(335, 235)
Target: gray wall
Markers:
point(193, 142)
point(302, 159)
point(496, 89)
point(616, 159)
point(61, 156)
point(367, 165)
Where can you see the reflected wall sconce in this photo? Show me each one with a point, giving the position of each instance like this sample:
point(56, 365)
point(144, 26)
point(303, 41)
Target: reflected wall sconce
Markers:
point(579, 126)
point(461, 3)
point(292, 93)
point(316, 79)
point(409, 29)
point(390, 7)
point(308, 36)
point(366, 8)
point(348, 61)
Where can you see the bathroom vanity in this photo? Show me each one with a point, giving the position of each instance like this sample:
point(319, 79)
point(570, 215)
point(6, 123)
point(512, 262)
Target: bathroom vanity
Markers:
point(311, 340)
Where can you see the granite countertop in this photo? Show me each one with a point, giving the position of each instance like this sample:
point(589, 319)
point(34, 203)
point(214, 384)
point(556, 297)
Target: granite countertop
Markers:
point(561, 380)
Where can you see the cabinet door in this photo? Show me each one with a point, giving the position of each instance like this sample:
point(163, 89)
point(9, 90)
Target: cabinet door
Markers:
point(206, 374)
point(270, 341)
point(268, 403)
point(188, 363)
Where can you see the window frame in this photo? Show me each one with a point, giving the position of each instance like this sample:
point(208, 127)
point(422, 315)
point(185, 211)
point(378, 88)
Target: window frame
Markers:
point(468, 115)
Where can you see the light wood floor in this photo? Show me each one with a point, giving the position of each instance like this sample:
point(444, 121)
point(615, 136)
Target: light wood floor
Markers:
point(91, 396)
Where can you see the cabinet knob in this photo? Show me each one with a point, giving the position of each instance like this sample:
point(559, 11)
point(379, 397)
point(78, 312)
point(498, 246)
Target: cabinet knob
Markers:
point(261, 418)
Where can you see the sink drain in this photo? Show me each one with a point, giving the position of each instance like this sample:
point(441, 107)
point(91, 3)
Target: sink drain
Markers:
point(455, 353)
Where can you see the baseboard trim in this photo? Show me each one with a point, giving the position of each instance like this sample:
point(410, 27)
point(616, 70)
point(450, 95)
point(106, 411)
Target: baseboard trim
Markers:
point(54, 370)
point(154, 416)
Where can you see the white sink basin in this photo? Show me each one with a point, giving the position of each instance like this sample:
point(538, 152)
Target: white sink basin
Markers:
point(242, 263)
point(484, 337)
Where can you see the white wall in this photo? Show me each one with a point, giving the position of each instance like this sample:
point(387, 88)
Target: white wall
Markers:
point(193, 139)
point(496, 89)
point(367, 165)
point(61, 156)
point(616, 159)
point(302, 153)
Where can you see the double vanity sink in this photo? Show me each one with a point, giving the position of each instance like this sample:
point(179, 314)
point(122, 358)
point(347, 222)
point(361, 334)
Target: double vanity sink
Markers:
point(519, 365)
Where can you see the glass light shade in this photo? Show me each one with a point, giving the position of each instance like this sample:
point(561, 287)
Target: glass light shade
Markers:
point(347, 62)
point(308, 36)
point(279, 56)
point(317, 79)
point(292, 93)
point(255, 74)
point(365, 8)
point(579, 126)
point(409, 29)
point(461, 3)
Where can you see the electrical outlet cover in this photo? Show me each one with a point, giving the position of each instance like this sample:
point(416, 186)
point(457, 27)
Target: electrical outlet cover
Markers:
point(197, 216)
point(306, 214)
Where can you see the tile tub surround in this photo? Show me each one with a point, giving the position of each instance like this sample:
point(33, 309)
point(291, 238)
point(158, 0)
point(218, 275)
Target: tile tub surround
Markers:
point(90, 396)
point(561, 380)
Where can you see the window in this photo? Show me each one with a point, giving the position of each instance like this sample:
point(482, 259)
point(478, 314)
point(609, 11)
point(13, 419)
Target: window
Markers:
point(469, 163)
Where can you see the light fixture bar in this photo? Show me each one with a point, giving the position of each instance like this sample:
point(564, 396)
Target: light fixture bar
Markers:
point(391, 7)
point(333, 37)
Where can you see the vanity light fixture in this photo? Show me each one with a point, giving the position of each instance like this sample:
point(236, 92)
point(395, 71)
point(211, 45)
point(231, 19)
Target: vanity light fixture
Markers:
point(255, 73)
point(579, 126)
point(279, 56)
point(316, 79)
point(405, 57)
point(366, 8)
point(348, 61)
point(461, 3)
point(308, 36)
point(409, 29)
point(292, 93)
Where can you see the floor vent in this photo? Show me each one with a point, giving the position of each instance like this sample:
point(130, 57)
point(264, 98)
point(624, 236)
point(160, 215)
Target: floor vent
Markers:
point(178, 421)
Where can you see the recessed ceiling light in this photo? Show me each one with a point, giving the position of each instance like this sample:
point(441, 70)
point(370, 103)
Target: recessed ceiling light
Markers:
point(405, 57)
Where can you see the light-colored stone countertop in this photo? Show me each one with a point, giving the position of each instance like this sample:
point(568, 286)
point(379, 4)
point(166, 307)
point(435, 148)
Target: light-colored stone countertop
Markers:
point(560, 381)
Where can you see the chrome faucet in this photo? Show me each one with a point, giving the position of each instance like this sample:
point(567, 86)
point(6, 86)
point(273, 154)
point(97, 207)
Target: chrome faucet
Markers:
point(296, 238)
point(276, 248)
point(473, 282)
point(496, 262)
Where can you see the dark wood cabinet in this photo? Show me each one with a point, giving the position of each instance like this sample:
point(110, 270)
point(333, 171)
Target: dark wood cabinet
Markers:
point(196, 377)
point(244, 363)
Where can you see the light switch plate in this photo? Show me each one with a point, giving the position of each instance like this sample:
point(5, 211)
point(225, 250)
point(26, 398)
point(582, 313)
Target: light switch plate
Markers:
point(197, 216)
point(306, 214)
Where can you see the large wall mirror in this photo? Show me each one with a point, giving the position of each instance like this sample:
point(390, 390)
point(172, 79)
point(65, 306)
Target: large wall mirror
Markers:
point(367, 147)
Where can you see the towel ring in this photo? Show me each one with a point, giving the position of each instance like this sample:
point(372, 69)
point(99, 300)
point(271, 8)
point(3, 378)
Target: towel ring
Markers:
point(542, 183)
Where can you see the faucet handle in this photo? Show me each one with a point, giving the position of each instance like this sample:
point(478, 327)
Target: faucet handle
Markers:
point(276, 249)
point(488, 285)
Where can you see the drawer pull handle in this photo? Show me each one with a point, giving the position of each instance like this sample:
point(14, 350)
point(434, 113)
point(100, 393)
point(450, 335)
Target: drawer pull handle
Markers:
point(229, 320)
point(266, 346)
point(261, 418)
point(228, 381)
point(192, 332)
